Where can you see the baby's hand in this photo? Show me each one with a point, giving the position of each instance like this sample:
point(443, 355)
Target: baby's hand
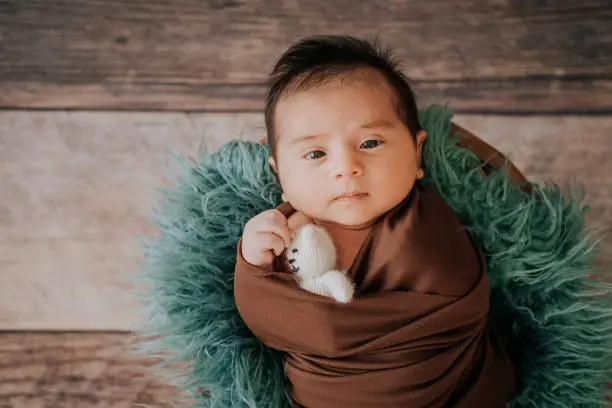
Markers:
point(266, 235)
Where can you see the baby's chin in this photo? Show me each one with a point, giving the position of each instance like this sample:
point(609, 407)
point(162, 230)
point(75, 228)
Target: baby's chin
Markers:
point(349, 218)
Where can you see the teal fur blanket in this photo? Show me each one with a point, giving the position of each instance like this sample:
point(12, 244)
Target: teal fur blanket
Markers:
point(557, 319)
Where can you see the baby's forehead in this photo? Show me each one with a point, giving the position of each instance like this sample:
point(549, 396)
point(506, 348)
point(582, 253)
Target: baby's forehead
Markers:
point(335, 104)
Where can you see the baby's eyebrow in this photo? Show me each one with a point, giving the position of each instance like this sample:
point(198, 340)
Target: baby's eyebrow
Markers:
point(302, 139)
point(378, 124)
point(375, 124)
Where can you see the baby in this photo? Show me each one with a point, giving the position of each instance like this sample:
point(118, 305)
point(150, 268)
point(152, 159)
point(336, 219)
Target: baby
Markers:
point(346, 146)
point(345, 141)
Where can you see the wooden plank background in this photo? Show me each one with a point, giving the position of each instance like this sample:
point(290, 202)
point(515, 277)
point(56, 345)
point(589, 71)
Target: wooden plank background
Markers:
point(78, 188)
point(77, 370)
point(504, 56)
point(94, 92)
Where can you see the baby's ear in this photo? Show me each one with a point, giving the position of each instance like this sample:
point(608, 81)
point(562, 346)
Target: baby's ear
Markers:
point(420, 137)
point(272, 163)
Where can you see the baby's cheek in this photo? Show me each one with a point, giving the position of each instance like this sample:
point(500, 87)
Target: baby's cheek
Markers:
point(306, 193)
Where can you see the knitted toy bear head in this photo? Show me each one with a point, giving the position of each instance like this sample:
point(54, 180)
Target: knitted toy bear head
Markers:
point(312, 257)
point(312, 252)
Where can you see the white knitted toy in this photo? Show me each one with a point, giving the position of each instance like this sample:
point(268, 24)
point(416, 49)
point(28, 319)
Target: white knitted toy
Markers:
point(312, 257)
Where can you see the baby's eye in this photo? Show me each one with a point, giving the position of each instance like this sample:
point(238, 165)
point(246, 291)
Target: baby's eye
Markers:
point(370, 144)
point(315, 154)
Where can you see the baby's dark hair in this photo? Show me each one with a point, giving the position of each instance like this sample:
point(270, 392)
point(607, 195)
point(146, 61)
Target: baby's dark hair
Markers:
point(316, 60)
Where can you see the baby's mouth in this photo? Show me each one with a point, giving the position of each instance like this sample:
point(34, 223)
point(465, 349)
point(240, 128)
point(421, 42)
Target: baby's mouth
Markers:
point(354, 196)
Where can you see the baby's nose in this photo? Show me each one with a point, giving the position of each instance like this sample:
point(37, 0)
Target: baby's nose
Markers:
point(351, 174)
point(349, 167)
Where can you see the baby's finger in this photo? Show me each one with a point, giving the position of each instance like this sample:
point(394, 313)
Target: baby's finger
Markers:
point(285, 234)
point(270, 241)
point(277, 223)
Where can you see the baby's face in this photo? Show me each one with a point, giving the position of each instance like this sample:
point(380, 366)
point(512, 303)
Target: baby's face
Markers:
point(345, 139)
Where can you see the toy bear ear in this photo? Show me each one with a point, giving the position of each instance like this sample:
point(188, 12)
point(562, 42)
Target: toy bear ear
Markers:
point(308, 233)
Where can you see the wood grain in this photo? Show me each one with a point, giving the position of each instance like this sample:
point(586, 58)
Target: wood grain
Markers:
point(77, 190)
point(481, 56)
point(84, 370)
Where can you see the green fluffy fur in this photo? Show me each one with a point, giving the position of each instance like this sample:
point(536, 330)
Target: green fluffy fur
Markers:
point(558, 322)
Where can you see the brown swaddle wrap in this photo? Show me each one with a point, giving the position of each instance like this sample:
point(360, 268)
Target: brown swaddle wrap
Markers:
point(417, 334)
